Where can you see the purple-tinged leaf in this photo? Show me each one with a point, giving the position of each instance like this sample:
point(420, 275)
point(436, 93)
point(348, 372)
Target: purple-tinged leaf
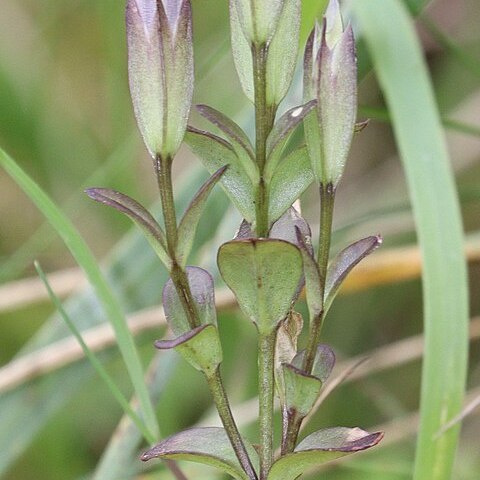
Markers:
point(292, 177)
point(236, 136)
point(208, 446)
point(285, 228)
point(244, 231)
point(191, 217)
point(281, 132)
point(200, 347)
point(203, 293)
point(264, 275)
point(344, 262)
point(313, 282)
point(323, 363)
point(322, 447)
point(136, 212)
point(214, 152)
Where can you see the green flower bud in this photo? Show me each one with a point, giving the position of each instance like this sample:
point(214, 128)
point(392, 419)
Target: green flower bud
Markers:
point(160, 66)
point(330, 77)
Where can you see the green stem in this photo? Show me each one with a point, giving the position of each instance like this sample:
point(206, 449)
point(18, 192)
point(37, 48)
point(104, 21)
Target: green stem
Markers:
point(266, 358)
point(264, 119)
point(327, 203)
point(163, 169)
point(221, 402)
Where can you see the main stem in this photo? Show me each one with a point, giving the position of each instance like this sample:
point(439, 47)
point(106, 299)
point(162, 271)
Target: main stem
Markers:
point(163, 169)
point(266, 358)
point(327, 203)
point(264, 119)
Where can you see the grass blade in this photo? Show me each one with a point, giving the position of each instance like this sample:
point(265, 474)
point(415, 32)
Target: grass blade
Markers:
point(96, 364)
point(87, 261)
point(402, 73)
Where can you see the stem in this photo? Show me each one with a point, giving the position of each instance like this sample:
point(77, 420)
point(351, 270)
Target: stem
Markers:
point(163, 169)
point(221, 401)
point(327, 202)
point(264, 118)
point(266, 359)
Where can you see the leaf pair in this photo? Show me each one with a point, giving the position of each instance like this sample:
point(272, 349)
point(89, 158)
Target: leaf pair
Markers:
point(210, 446)
point(150, 227)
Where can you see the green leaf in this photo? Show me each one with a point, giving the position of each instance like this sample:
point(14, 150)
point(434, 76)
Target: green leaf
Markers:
point(264, 275)
point(322, 447)
point(200, 347)
point(237, 138)
point(203, 294)
point(292, 177)
point(283, 51)
point(209, 446)
point(301, 390)
point(403, 76)
point(215, 153)
point(87, 261)
point(136, 212)
point(190, 219)
point(281, 132)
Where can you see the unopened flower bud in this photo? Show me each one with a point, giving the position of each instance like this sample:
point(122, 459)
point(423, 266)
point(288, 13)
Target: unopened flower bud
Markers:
point(330, 77)
point(160, 65)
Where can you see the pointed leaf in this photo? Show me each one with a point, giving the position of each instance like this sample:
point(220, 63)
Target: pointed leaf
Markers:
point(301, 390)
point(200, 347)
point(323, 363)
point(208, 446)
point(244, 231)
point(203, 293)
point(136, 212)
point(281, 132)
point(321, 447)
point(292, 177)
point(189, 222)
point(283, 51)
point(242, 53)
point(313, 282)
point(264, 276)
point(236, 136)
point(344, 262)
point(215, 153)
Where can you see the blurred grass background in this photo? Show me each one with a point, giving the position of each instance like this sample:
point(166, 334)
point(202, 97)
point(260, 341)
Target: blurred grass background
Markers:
point(66, 117)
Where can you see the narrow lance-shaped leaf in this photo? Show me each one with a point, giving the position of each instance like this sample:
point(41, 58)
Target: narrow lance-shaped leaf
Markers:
point(208, 446)
point(236, 136)
point(344, 262)
point(313, 282)
point(136, 212)
point(281, 132)
point(188, 224)
point(292, 177)
point(214, 152)
point(264, 275)
point(283, 51)
point(203, 295)
point(322, 447)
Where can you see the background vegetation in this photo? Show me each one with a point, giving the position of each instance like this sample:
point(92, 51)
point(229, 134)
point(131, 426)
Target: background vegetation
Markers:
point(66, 117)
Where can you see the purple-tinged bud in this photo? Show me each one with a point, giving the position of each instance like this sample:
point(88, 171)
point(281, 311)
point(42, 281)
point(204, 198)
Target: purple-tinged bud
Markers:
point(330, 77)
point(160, 66)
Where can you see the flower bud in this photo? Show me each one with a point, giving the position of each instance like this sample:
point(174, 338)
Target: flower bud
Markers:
point(160, 66)
point(258, 18)
point(330, 77)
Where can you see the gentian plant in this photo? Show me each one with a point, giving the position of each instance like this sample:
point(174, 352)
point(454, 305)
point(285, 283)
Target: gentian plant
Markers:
point(272, 259)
